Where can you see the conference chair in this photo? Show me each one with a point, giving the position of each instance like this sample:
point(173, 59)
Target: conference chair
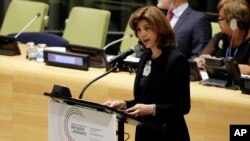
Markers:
point(20, 13)
point(129, 42)
point(87, 26)
point(51, 40)
point(215, 28)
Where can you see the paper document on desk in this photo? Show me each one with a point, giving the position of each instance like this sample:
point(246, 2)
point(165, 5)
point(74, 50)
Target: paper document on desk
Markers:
point(132, 59)
point(61, 49)
point(128, 59)
point(204, 75)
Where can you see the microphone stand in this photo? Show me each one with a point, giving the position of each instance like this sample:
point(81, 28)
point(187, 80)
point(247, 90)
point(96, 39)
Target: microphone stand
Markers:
point(106, 73)
point(32, 20)
point(116, 41)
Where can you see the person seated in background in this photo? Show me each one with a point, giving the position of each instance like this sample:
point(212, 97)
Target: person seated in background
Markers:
point(161, 87)
point(192, 28)
point(234, 38)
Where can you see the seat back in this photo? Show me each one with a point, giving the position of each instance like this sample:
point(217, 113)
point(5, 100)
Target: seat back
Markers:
point(215, 28)
point(128, 43)
point(41, 38)
point(20, 13)
point(87, 26)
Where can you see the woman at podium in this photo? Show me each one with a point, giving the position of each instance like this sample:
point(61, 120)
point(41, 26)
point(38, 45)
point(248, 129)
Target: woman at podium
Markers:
point(161, 87)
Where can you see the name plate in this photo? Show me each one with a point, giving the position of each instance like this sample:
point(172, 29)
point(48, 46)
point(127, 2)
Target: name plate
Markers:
point(66, 59)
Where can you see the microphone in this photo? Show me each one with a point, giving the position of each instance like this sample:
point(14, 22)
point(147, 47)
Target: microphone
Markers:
point(97, 78)
point(135, 49)
point(116, 41)
point(26, 26)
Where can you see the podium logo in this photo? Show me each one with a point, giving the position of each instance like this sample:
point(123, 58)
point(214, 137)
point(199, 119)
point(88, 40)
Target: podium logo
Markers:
point(239, 132)
point(73, 129)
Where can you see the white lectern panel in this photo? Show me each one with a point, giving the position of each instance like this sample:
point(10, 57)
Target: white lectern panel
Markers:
point(74, 123)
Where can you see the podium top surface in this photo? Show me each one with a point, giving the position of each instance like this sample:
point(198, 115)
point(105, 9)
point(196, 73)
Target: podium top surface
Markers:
point(121, 116)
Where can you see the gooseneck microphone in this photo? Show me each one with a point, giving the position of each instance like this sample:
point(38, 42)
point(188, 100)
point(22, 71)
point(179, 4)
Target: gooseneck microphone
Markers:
point(116, 41)
point(26, 26)
point(135, 49)
point(97, 78)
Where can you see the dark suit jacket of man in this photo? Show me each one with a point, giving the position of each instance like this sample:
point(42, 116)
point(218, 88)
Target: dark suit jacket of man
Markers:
point(167, 86)
point(192, 31)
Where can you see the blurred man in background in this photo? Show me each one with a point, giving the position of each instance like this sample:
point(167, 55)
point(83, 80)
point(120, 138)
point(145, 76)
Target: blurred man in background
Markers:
point(192, 28)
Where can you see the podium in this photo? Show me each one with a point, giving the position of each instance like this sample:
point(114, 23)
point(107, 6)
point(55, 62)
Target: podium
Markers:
point(64, 99)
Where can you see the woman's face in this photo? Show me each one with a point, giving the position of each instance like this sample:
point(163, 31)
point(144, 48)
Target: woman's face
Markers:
point(225, 27)
point(146, 34)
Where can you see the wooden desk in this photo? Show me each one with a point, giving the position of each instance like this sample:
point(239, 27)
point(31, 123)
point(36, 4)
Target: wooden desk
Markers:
point(23, 108)
point(213, 110)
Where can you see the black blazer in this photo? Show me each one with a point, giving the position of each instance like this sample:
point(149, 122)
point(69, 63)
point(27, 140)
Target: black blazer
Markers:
point(167, 86)
point(192, 31)
point(219, 45)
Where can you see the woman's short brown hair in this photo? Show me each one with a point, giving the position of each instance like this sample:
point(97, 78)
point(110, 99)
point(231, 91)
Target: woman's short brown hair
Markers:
point(157, 20)
point(238, 9)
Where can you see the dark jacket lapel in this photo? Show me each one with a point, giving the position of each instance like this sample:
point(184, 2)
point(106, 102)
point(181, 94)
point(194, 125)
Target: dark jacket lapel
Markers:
point(182, 18)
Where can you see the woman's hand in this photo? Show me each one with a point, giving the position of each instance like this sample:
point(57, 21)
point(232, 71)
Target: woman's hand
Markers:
point(119, 105)
point(201, 60)
point(140, 110)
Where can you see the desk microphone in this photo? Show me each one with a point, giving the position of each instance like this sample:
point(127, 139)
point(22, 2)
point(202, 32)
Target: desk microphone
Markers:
point(116, 41)
point(135, 49)
point(26, 26)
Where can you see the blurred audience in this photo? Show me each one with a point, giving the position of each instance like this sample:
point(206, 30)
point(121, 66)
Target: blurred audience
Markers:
point(234, 38)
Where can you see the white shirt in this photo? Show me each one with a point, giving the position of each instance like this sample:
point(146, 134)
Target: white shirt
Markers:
point(177, 13)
